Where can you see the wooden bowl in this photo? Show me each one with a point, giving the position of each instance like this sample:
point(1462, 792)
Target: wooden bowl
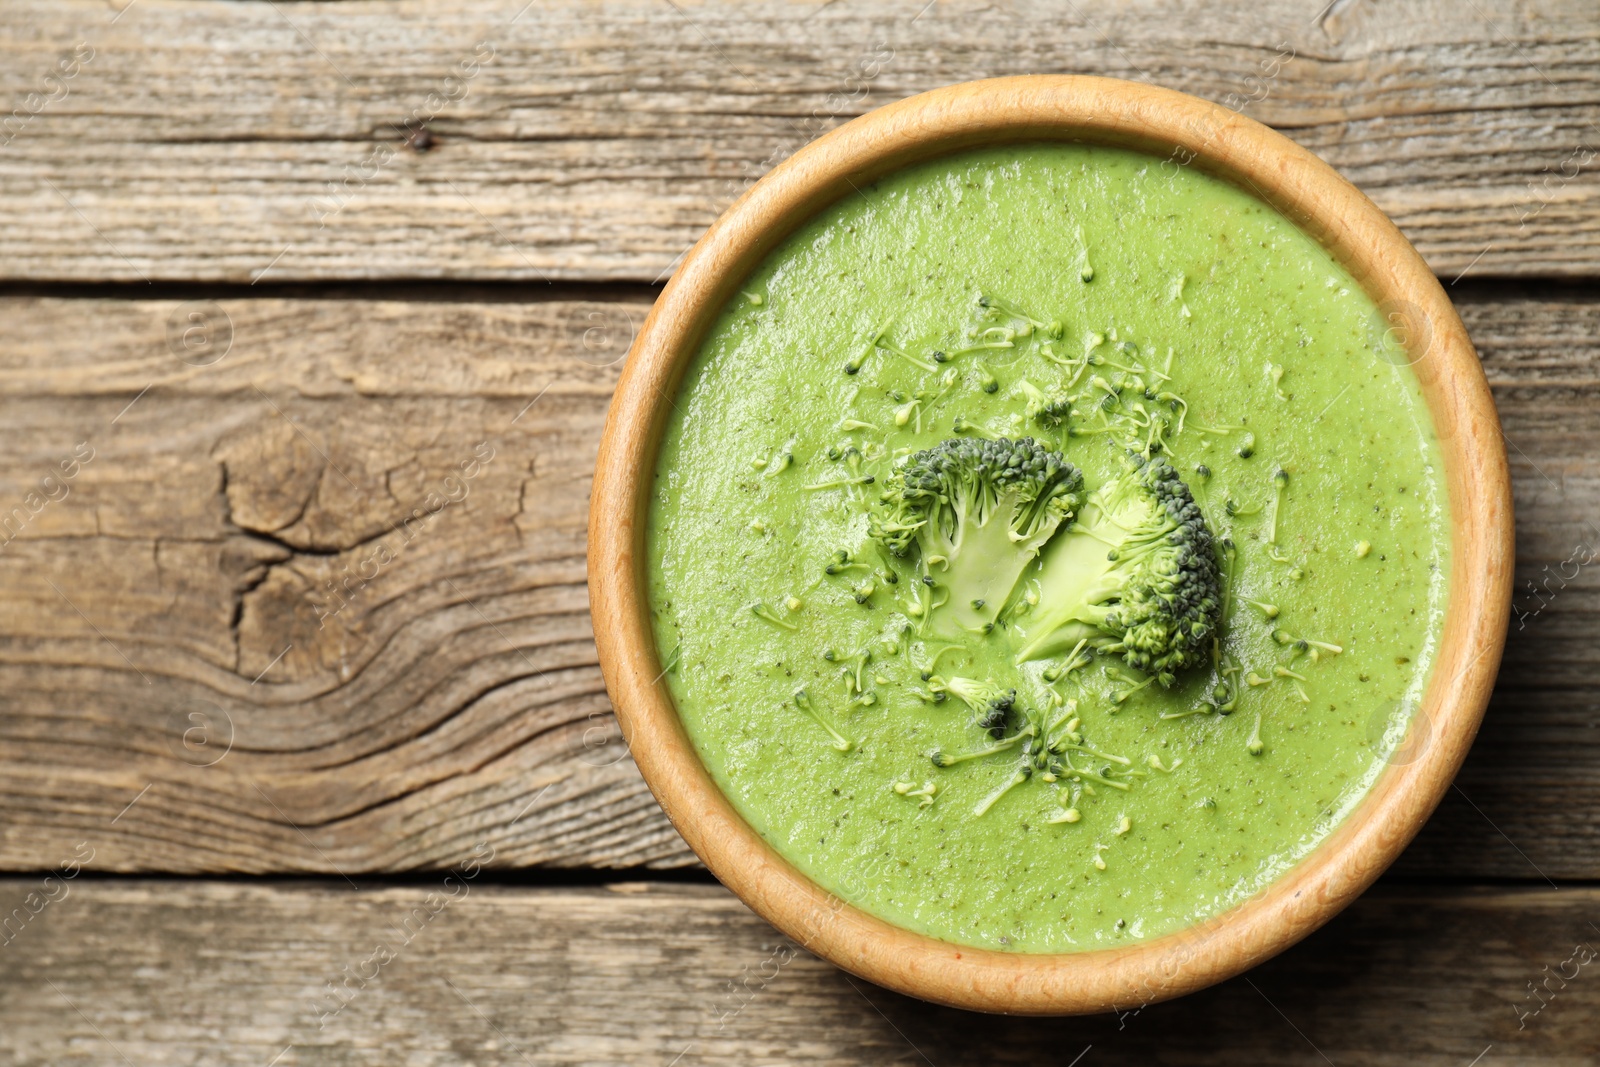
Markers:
point(1189, 131)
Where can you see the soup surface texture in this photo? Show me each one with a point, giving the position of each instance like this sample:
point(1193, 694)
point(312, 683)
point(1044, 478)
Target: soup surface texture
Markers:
point(1185, 320)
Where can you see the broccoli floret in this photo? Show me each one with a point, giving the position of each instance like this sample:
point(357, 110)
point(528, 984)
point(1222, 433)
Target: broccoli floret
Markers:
point(979, 512)
point(991, 706)
point(1135, 576)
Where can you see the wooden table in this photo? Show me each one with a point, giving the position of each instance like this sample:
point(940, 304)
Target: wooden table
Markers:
point(286, 779)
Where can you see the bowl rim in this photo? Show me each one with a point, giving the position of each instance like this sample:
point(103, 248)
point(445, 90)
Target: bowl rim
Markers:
point(1310, 193)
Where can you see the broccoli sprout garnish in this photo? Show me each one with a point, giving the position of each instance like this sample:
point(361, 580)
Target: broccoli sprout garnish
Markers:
point(1019, 776)
point(1218, 431)
point(965, 425)
point(1047, 411)
point(1179, 405)
point(893, 349)
point(1285, 672)
point(1275, 372)
point(1301, 644)
point(842, 563)
point(940, 758)
point(852, 458)
point(762, 611)
point(928, 793)
point(853, 364)
point(1280, 479)
point(853, 681)
point(802, 700)
point(1051, 329)
point(1129, 686)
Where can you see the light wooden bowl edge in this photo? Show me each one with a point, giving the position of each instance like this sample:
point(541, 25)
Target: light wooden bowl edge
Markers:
point(1341, 866)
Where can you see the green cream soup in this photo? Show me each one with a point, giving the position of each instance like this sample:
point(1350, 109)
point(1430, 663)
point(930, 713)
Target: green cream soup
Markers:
point(1171, 318)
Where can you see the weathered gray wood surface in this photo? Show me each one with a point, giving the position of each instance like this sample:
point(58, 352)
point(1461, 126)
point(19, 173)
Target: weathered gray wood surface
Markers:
point(177, 598)
point(456, 694)
point(588, 141)
point(171, 974)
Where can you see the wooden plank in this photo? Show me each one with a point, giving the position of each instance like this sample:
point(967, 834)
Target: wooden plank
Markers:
point(132, 973)
point(570, 140)
point(457, 695)
point(178, 598)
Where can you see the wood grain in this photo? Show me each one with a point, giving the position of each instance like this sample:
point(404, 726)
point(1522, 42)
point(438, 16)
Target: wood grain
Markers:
point(186, 574)
point(596, 142)
point(442, 729)
point(130, 973)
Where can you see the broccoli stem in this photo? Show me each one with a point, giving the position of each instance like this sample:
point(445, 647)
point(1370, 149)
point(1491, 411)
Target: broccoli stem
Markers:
point(990, 565)
point(1075, 563)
